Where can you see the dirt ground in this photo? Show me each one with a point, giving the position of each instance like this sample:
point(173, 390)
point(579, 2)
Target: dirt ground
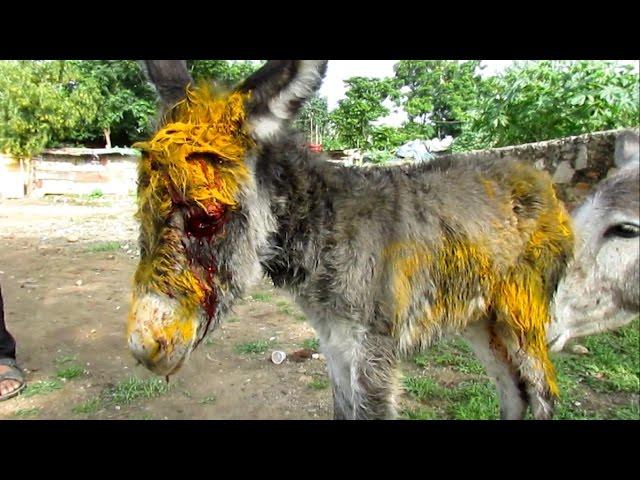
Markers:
point(66, 268)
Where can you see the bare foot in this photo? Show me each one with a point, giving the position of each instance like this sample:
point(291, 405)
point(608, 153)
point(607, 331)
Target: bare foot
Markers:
point(7, 386)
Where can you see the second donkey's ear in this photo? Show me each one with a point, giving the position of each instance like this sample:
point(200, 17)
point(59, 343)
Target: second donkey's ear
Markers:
point(170, 77)
point(627, 152)
point(278, 91)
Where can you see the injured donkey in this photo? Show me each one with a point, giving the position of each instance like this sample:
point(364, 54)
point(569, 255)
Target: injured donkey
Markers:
point(383, 261)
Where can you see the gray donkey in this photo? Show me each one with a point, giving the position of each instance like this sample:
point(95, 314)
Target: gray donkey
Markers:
point(601, 288)
point(382, 261)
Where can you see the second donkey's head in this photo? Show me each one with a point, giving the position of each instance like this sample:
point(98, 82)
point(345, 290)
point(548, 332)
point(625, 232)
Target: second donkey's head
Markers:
point(203, 221)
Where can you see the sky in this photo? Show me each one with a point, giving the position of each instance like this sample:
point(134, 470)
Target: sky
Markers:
point(339, 70)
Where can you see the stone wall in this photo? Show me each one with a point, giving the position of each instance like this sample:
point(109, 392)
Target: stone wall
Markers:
point(576, 164)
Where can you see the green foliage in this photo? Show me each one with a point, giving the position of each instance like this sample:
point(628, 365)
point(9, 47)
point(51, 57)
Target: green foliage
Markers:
point(42, 103)
point(260, 346)
point(125, 101)
point(352, 120)
point(262, 296)
point(133, 388)
point(379, 157)
point(613, 363)
point(70, 372)
point(88, 407)
point(384, 137)
point(226, 72)
point(314, 119)
point(436, 94)
point(91, 102)
point(105, 247)
point(27, 412)
point(49, 103)
point(318, 384)
point(311, 343)
point(536, 101)
point(42, 387)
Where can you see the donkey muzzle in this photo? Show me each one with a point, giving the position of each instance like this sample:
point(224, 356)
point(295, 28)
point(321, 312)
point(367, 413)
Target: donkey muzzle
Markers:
point(159, 335)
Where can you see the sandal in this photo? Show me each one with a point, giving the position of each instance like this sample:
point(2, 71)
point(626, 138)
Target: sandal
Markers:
point(14, 373)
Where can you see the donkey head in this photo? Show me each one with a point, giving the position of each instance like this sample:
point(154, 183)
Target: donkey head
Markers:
point(203, 219)
point(601, 288)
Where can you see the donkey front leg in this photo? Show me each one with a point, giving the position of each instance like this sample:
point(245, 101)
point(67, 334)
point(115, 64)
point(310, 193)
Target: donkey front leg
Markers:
point(362, 368)
point(376, 379)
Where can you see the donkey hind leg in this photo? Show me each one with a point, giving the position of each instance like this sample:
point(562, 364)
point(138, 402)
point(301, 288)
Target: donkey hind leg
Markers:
point(532, 364)
point(539, 391)
point(492, 353)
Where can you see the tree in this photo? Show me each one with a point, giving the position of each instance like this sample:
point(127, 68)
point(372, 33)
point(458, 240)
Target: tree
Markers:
point(353, 118)
point(314, 119)
point(42, 103)
point(436, 94)
point(126, 101)
point(227, 72)
point(536, 101)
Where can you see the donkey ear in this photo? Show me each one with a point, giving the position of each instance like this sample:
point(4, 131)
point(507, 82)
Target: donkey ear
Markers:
point(170, 77)
point(627, 153)
point(278, 91)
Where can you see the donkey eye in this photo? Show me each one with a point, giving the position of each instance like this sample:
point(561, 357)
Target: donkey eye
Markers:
point(624, 230)
point(202, 225)
point(209, 158)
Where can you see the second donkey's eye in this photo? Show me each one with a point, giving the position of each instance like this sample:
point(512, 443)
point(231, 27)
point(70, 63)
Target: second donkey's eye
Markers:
point(624, 230)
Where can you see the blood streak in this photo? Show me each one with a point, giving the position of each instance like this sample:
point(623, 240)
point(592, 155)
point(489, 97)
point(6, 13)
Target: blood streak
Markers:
point(203, 226)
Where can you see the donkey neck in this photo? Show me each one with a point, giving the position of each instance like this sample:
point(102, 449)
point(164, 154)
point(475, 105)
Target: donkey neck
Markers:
point(300, 187)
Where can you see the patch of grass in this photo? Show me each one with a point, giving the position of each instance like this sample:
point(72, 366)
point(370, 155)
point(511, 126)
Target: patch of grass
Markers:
point(133, 388)
point(208, 400)
point(233, 319)
point(27, 412)
point(90, 406)
point(105, 247)
point(260, 346)
point(70, 372)
point(97, 193)
point(209, 341)
point(42, 387)
point(454, 353)
point(612, 365)
point(262, 296)
point(318, 384)
point(603, 384)
point(290, 310)
point(285, 307)
point(468, 400)
point(311, 344)
point(419, 414)
point(474, 401)
point(424, 389)
point(627, 412)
